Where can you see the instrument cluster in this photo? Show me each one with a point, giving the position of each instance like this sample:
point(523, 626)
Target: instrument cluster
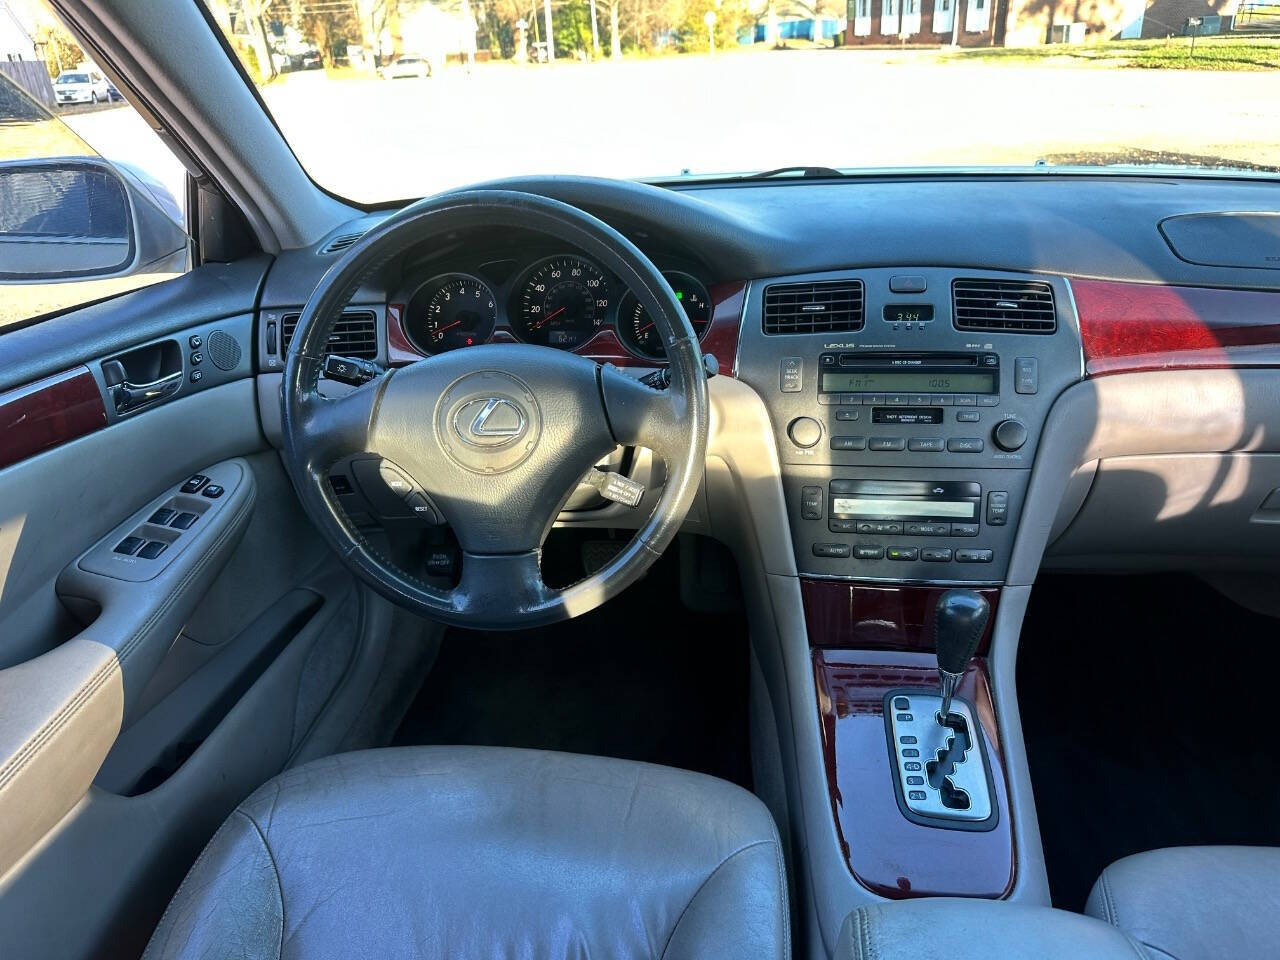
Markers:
point(563, 300)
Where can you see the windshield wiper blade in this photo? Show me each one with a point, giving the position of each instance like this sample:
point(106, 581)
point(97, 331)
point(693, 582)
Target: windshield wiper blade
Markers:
point(801, 172)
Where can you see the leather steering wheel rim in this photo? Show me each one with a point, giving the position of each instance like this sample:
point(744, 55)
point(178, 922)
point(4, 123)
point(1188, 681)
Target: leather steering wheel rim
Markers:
point(570, 410)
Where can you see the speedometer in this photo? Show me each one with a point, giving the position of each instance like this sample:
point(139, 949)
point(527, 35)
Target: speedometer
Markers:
point(451, 311)
point(636, 328)
point(563, 303)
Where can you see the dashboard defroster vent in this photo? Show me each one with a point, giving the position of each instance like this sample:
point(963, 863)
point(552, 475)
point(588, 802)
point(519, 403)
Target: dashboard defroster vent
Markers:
point(827, 306)
point(1003, 306)
point(354, 335)
point(338, 244)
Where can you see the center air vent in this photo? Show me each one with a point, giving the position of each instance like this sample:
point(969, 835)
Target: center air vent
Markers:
point(830, 306)
point(354, 335)
point(341, 243)
point(1007, 306)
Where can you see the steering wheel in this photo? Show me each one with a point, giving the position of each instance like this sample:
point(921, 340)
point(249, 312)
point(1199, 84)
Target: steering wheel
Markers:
point(496, 436)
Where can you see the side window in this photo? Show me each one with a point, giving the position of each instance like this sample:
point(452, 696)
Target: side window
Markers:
point(91, 201)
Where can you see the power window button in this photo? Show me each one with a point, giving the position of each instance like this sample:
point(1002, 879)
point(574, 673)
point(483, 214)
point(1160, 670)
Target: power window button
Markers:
point(152, 550)
point(129, 545)
point(194, 483)
point(183, 521)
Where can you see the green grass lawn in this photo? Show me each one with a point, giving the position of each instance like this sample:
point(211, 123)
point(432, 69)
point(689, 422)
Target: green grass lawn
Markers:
point(1211, 53)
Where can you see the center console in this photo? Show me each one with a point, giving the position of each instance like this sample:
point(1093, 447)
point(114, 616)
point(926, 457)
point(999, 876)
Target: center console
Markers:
point(907, 408)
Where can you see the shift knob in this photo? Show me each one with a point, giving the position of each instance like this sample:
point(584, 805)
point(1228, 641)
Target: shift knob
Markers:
point(959, 621)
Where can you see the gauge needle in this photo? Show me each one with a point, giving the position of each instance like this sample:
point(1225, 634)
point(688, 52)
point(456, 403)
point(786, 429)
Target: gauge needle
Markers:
point(644, 328)
point(549, 317)
point(448, 326)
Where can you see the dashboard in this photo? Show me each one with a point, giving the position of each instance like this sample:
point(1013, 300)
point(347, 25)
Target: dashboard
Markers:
point(548, 296)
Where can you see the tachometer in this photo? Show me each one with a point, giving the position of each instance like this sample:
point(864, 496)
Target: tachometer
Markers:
point(451, 311)
point(636, 328)
point(563, 303)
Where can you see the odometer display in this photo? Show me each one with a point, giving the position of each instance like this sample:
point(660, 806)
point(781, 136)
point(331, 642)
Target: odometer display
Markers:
point(563, 303)
point(451, 311)
point(638, 330)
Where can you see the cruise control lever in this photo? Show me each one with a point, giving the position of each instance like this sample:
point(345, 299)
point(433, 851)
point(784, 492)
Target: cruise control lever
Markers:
point(661, 379)
point(351, 370)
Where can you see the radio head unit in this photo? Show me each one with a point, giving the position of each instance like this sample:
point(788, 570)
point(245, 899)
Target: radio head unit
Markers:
point(909, 373)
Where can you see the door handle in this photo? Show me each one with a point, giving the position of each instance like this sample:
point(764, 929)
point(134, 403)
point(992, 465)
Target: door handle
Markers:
point(131, 396)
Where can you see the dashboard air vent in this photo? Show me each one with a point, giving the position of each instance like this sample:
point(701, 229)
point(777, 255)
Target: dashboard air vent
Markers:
point(1005, 306)
point(354, 335)
point(829, 306)
point(341, 243)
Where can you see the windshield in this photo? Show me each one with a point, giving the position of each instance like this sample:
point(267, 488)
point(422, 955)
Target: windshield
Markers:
point(73, 78)
point(697, 88)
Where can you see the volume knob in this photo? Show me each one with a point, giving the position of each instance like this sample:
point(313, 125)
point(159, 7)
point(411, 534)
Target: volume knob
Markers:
point(804, 431)
point(1010, 435)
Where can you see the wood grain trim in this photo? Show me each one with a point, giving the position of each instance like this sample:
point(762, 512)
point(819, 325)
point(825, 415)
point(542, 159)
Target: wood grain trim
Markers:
point(878, 617)
point(49, 412)
point(886, 852)
point(1131, 327)
point(721, 338)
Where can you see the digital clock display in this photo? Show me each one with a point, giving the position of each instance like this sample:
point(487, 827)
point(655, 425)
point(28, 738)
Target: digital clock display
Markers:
point(908, 313)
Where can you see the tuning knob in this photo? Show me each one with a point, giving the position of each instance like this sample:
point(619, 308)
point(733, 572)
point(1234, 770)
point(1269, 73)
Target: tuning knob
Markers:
point(804, 431)
point(1010, 435)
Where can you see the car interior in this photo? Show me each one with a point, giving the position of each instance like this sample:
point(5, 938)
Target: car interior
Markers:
point(564, 566)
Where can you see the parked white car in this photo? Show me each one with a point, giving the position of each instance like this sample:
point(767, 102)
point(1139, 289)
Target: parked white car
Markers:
point(407, 66)
point(81, 86)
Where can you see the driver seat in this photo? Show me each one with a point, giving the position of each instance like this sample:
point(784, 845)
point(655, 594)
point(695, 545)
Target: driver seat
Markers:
point(485, 852)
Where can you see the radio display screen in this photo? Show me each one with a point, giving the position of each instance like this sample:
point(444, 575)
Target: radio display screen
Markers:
point(898, 509)
point(893, 381)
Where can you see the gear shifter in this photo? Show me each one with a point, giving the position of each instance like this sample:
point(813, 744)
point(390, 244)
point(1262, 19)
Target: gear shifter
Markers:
point(959, 621)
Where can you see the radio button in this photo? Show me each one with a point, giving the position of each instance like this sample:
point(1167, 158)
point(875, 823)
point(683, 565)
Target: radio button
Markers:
point(936, 555)
point(828, 399)
point(902, 553)
point(850, 399)
point(804, 431)
point(988, 400)
point(848, 415)
point(868, 551)
point(973, 556)
point(964, 529)
point(872, 398)
point(842, 526)
point(991, 360)
point(941, 400)
point(896, 399)
point(828, 360)
point(1026, 375)
point(848, 443)
point(888, 443)
point(837, 550)
point(965, 400)
point(965, 445)
point(968, 416)
point(919, 399)
point(791, 375)
point(925, 444)
point(811, 499)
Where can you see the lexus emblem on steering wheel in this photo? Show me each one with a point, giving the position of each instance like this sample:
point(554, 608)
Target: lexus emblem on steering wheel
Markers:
point(490, 422)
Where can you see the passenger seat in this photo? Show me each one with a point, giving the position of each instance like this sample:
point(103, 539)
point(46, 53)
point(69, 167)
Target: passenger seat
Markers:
point(1195, 903)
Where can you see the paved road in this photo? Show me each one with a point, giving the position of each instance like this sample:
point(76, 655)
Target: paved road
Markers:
point(375, 140)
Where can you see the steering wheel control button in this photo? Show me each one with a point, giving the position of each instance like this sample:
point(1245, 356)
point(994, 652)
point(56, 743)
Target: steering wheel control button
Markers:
point(804, 432)
point(152, 550)
point(391, 492)
point(1026, 375)
point(791, 375)
point(162, 516)
point(213, 491)
point(973, 556)
point(831, 550)
point(1009, 435)
point(965, 445)
point(488, 421)
point(129, 545)
point(441, 561)
point(194, 483)
point(183, 521)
